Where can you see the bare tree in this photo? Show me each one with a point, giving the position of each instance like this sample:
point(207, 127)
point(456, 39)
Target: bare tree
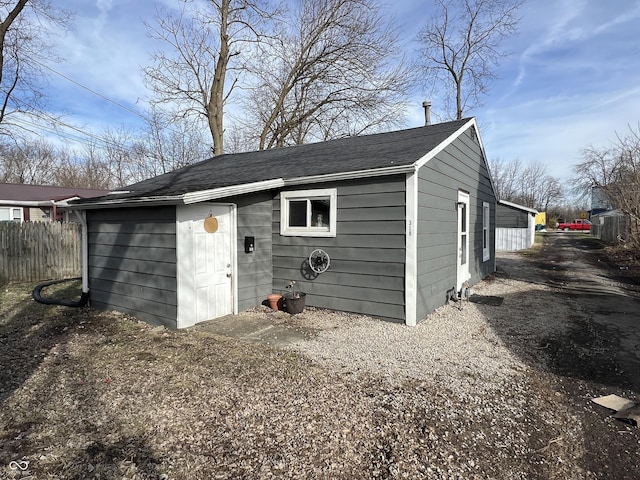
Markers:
point(537, 189)
point(461, 47)
point(332, 70)
point(528, 185)
point(506, 178)
point(168, 144)
point(203, 38)
point(616, 172)
point(110, 161)
point(25, 29)
point(86, 169)
point(27, 161)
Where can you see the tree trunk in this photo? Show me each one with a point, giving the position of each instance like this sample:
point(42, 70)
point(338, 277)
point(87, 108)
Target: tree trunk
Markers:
point(216, 96)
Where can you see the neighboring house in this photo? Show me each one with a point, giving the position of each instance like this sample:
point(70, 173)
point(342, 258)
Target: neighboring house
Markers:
point(515, 226)
point(39, 203)
point(406, 217)
point(600, 201)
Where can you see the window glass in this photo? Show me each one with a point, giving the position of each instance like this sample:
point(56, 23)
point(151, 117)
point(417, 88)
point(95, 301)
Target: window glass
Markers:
point(486, 218)
point(463, 250)
point(320, 212)
point(297, 213)
point(463, 226)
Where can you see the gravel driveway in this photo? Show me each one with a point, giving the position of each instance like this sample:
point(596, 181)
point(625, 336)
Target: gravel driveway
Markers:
point(474, 392)
point(517, 379)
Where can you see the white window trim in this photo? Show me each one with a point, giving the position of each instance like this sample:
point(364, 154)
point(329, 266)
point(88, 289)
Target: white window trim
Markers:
point(486, 231)
point(285, 197)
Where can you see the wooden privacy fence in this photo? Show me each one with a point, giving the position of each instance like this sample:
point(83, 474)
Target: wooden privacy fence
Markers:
point(610, 227)
point(33, 251)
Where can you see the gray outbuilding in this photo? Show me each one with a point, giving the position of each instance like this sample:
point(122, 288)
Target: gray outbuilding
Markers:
point(515, 226)
point(406, 218)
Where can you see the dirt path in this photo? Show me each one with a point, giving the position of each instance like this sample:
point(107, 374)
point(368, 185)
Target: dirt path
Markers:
point(601, 340)
point(593, 346)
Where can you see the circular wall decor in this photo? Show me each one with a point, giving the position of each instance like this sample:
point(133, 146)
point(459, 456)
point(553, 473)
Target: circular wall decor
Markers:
point(319, 261)
point(211, 224)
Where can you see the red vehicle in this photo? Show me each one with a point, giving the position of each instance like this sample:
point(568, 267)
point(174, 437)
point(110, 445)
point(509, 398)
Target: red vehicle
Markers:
point(578, 224)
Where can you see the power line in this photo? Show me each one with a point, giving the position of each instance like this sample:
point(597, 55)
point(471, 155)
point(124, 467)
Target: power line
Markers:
point(100, 141)
point(90, 90)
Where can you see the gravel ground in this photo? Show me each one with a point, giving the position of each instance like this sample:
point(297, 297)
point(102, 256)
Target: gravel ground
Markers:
point(464, 395)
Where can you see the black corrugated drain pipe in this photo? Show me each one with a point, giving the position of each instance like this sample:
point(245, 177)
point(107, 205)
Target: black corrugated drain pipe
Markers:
point(36, 294)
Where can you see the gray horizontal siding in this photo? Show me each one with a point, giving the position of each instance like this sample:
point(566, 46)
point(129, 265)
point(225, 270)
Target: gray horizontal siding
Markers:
point(509, 217)
point(132, 262)
point(367, 255)
point(379, 256)
point(460, 166)
point(255, 272)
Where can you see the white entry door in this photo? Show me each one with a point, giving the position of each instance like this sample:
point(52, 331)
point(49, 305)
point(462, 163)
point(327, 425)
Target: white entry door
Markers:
point(205, 262)
point(463, 240)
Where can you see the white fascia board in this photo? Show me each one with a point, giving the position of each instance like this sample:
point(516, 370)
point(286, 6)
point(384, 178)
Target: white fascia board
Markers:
point(519, 207)
point(331, 177)
point(126, 202)
point(26, 203)
point(471, 123)
point(215, 193)
point(431, 154)
point(484, 156)
point(65, 203)
point(186, 199)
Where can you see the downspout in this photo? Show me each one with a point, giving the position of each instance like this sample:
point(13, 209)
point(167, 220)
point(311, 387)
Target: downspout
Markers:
point(82, 216)
point(84, 298)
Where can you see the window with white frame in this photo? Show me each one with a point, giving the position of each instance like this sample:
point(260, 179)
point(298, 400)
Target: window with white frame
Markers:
point(486, 219)
point(10, 214)
point(308, 213)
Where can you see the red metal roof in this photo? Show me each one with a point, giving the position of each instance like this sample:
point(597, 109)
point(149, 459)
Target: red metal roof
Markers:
point(30, 193)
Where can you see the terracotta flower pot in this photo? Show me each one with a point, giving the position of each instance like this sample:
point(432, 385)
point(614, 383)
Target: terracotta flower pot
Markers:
point(275, 301)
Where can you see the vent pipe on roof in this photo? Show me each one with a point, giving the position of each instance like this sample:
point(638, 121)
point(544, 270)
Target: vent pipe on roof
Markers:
point(427, 112)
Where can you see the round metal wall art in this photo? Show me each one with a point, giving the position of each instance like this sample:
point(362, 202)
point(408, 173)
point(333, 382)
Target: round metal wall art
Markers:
point(319, 261)
point(211, 224)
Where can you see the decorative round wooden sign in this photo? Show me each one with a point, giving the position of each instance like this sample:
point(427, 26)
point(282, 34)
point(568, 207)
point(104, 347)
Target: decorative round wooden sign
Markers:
point(211, 224)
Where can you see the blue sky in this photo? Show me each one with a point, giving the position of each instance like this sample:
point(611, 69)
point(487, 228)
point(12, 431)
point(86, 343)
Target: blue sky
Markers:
point(572, 80)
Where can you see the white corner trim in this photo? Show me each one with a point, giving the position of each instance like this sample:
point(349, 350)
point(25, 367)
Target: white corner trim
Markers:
point(411, 260)
point(215, 193)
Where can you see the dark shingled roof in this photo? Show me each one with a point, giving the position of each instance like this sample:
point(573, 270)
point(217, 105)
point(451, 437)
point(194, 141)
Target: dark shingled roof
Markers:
point(350, 154)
